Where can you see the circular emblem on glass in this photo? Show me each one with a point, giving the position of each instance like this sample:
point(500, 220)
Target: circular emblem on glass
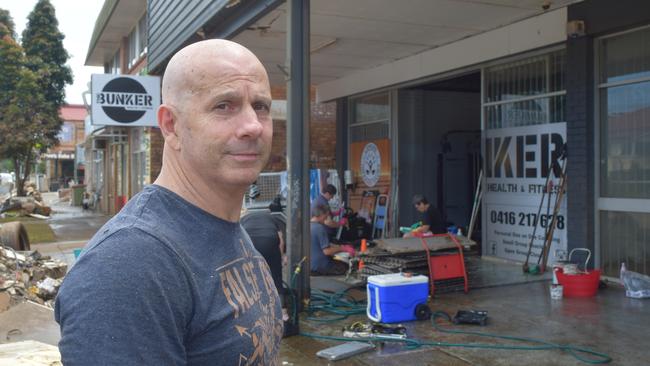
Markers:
point(370, 164)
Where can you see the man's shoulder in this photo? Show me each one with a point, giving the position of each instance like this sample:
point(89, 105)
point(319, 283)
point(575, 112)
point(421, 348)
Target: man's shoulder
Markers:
point(317, 227)
point(320, 199)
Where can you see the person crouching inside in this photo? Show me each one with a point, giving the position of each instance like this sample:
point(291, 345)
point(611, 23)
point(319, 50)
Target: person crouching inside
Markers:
point(322, 250)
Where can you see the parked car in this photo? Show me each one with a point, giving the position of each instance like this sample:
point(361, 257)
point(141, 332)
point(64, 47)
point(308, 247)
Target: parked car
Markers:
point(6, 183)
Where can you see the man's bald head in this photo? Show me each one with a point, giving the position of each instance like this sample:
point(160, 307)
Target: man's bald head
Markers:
point(191, 65)
point(215, 119)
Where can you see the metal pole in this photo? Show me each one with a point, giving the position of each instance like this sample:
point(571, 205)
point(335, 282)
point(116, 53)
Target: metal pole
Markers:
point(298, 238)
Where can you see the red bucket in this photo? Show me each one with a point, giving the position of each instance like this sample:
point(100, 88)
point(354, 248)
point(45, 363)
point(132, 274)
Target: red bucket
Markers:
point(580, 284)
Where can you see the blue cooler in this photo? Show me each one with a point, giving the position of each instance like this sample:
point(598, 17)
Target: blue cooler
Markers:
point(392, 298)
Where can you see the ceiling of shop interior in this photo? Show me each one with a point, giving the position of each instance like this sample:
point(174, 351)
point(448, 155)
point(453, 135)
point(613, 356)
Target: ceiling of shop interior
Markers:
point(352, 35)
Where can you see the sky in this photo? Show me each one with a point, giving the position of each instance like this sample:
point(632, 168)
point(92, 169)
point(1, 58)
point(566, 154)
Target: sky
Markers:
point(76, 22)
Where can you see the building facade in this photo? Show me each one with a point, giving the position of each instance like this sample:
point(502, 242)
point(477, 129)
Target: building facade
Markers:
point(64, 162)
point(120, 160)
point(510, 94)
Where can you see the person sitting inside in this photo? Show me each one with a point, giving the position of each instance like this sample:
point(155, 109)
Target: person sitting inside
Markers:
point(322, 250)
point(429, 216)
point(323, 199)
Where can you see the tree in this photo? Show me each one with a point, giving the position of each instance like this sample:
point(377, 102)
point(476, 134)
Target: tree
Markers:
point(43, 44)
point(20, 106)
point(5, 18)
point(12, 58)
point(32, 88)
point(23, 137)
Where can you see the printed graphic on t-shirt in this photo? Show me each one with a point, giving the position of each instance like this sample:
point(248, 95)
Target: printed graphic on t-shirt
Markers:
point(247, 284)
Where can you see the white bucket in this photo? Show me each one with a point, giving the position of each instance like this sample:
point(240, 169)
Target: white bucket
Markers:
point(556, 292)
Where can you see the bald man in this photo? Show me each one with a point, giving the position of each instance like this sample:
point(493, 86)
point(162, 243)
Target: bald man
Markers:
point(173, 279)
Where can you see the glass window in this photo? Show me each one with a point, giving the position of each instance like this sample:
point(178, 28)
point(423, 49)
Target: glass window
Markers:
point(140, 159)
point(133, 48)
point(142, 36)
point(371, 109)
point(115, 69)
point(625, 141)
point(66, 135)
point(371, 118)
point(98, 171)
point(625, 57)
point(626, 235)
point(526, 92)
point(624, 151)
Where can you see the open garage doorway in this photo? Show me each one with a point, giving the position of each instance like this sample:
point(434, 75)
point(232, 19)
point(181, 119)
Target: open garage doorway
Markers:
point(439, 147)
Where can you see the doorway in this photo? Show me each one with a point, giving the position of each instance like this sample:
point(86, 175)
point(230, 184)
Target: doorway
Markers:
point(439, 147)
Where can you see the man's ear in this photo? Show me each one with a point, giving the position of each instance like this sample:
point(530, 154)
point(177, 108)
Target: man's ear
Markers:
point(168, 123)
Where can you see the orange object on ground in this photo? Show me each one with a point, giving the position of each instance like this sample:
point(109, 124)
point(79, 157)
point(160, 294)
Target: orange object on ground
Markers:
point(364, 247)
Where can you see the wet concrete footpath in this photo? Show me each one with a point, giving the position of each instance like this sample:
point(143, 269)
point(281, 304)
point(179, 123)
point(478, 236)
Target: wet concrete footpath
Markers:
point(72, 227)
point(518, 305)
point(608, 323)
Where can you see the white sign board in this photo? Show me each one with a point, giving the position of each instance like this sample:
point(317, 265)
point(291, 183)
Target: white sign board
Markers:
point(517, 164)
point(124, 100)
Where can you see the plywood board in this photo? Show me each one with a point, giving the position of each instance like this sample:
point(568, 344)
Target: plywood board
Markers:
point(411, 245)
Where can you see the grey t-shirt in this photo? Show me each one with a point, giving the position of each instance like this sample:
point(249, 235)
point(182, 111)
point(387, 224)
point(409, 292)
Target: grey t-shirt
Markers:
point(166, 283)
point(319, 241)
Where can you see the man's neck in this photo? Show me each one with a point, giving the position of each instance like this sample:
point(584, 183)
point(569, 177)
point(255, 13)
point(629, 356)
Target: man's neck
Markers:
point(222, 202)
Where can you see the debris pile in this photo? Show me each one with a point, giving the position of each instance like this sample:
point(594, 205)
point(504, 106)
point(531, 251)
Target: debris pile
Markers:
point(29, 276)
point(31, 204)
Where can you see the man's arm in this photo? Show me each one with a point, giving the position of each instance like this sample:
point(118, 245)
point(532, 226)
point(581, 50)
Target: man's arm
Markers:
point(282, 244)
point(332, 249)
point(423, 229)
point(125, 302)
point(331, 223)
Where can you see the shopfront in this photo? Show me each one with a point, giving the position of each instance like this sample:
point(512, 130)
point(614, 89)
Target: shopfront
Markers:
point(425, 111)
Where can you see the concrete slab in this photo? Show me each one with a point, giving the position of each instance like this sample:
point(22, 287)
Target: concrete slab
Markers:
point(29, 321)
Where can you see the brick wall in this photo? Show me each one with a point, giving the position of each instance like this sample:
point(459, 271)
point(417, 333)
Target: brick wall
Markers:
point(322, 135)
point(322, 139)
point(155, 152)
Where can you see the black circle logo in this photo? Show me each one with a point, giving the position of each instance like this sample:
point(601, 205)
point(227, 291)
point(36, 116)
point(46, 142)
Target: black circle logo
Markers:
point(121, 95)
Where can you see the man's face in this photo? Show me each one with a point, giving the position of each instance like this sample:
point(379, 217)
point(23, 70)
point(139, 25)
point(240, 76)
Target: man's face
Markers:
point(421, 207)
point(328, 196)
point(225, 123)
